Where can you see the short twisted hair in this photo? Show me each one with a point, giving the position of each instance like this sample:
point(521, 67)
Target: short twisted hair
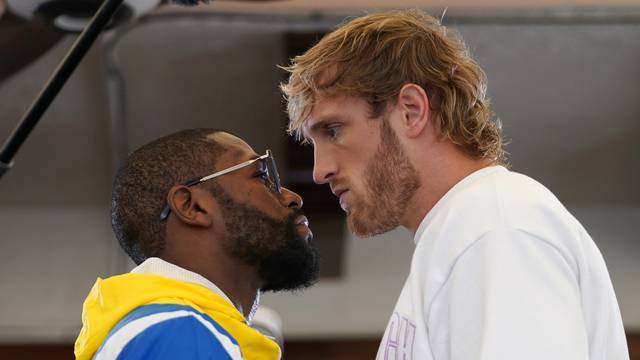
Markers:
point(142, 183)
point(375, 55)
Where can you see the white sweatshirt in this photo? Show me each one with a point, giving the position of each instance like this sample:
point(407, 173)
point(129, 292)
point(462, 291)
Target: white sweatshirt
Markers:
point(502, 270)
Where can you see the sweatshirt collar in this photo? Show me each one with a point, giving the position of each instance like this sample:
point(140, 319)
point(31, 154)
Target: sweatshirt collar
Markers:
point(157, 266)
point(469, 179)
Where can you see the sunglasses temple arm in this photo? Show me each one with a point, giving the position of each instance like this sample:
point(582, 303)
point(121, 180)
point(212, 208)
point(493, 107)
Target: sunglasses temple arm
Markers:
point(233, 168)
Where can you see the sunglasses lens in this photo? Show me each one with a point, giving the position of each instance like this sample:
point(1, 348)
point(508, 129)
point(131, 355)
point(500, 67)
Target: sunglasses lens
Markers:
point(273, 172)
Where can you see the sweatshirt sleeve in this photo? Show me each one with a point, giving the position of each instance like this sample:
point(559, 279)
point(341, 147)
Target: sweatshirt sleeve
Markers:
point(511, 295)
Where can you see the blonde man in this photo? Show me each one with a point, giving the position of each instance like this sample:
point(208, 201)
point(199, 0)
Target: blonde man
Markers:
point(402, 132)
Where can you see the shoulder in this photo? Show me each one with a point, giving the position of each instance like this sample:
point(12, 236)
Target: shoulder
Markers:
point(503, 208)
point(168, 331)
point(501, 195)
point(499, 199)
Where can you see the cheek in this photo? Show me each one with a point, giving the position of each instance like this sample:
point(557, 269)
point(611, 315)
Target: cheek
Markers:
point(264, 200)
point(362, 151)
point(361, 166)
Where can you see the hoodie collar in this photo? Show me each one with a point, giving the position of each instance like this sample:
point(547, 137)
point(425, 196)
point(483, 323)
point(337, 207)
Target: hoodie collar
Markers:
point(157, 266)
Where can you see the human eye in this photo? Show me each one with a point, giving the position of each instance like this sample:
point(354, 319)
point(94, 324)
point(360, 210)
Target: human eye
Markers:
point(264, 176)
point(262, 172)
point(332, 131)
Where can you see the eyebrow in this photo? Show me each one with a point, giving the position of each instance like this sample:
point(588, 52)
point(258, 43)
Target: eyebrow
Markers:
point(322, 123)
point(239, 166)
point(255, 164)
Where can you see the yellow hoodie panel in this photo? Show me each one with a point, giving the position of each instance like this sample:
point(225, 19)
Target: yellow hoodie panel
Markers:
point(112, 299)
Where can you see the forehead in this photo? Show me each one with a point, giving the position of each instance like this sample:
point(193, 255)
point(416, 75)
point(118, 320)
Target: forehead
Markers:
point(335, 108)
point(237, 150)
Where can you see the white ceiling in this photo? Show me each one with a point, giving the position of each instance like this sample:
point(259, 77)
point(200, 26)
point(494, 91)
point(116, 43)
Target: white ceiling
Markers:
point(341, 5)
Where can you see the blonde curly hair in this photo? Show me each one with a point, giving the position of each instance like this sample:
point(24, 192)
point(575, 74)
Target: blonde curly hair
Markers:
point(373, 56)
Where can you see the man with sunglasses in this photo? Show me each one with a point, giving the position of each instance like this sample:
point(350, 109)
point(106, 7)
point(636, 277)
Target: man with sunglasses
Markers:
point(205, 219)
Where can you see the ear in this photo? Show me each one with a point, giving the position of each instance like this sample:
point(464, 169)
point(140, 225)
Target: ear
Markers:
point(191, 205)
point(413, 103)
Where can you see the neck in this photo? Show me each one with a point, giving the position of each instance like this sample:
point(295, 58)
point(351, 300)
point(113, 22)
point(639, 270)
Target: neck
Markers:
point(239, 282)
point(438, 174)
point(241, 286)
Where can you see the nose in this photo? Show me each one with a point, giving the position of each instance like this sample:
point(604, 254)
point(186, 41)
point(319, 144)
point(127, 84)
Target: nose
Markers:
point(290, 199)
point(324, 168)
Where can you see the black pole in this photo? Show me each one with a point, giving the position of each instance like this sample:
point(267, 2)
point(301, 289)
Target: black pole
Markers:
point(56, 82)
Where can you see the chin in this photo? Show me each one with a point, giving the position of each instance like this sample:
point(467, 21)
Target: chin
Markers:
point(305, 235)
point(368, 226)
point(292, 266)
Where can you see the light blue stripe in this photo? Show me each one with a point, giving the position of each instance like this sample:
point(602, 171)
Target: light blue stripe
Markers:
point(150, 309)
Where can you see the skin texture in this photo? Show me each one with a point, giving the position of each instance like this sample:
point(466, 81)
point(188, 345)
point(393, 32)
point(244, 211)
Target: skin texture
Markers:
point(205, 233)
point(387, 171)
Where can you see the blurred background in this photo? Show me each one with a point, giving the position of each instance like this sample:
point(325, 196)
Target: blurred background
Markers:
point(564, 78)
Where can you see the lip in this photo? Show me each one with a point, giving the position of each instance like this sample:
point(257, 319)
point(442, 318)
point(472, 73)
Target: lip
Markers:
point(302, 220)
point(339, 191)
point(342, 196)
point(302, 223)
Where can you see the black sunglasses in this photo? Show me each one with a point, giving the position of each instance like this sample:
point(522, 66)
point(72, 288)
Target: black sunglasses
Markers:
point(273, 179)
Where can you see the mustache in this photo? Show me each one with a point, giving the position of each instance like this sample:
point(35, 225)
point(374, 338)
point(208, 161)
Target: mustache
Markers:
point(294, 215)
